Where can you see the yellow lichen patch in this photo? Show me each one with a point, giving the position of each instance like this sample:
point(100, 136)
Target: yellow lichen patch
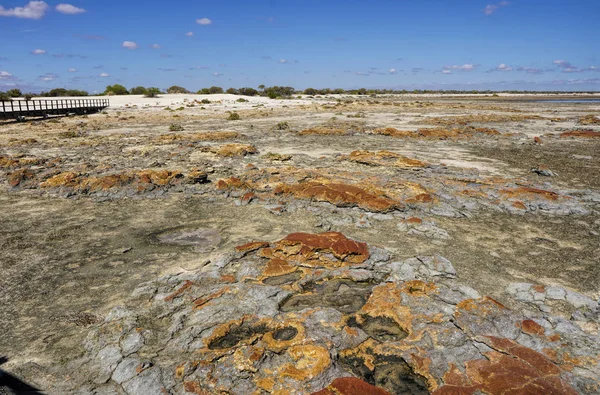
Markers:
point(265, 383)
point(364, 352)
point(589, 120)
point(386, 301)
point(383, 158)
point(418, 288)
point(231, 150)
point(246, 358)
point(67, 179)
point(310, 361)
point(236, 333)
point(284, 335)
point(322, 131)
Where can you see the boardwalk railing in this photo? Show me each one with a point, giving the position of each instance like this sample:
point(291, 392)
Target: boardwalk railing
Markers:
point(19, 109)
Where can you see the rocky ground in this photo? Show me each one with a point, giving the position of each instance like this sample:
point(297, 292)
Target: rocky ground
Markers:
point(325, 245)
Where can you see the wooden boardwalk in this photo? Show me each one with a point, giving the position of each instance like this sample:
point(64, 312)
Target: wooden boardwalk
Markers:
point(19, 109)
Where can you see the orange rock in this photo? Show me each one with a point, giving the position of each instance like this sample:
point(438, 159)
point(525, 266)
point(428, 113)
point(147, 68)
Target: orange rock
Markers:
point(539, 288)
point(229, 150)
point(194, 388)
point(513, 369)
point(351, 386)
point(528, 191)
point(252, 246)
point(67, 179)
point(414, 220)
point(520, 205)
point(180, 291)
point(537, 140)
point(19, 176)
point(588, 134)
point(200, 302)
point(278, 267)
point(309, 245)
point(533, 328)
point(383, 158)
point(342, 195)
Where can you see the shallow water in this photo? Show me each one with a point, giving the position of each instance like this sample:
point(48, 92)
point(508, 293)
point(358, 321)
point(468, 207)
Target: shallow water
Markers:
point(569, 101)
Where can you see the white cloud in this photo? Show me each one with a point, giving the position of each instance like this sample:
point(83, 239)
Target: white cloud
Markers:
point(104, 75)
point(217, 74)
point(464, 67)
point(129, 45)
point(156, 46)
point(38, 51)
point(48, 77)
point(189, 34)
point(446, 72)
point(69, 9)
point(33, 10)
point(392, 71)
point(5, 75)
point(72, 70)
point(567, 67)
point(491, 8)
point(503, 67)
point(204, 21)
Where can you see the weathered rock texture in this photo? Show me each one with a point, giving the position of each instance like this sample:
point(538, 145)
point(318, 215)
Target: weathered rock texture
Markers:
point(327, 314)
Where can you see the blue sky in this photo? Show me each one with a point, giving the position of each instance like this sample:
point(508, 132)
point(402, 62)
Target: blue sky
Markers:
point(426, 44)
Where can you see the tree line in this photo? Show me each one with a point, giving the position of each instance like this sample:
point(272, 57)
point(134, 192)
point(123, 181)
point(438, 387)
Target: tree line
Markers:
point(273, 92)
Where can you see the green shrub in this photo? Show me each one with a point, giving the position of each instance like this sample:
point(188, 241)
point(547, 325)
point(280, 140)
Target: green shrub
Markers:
point(242, 100)
point(175, 127)
point(138, 90)
point(205, 101)
point(152, 92)
point(14, 93)
point(248, 91)
point(4, 97)
point(234, 116)
point(28, 96)
point(177, 89)
point(282, 126)
point(116, 89)
point(213, 90)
